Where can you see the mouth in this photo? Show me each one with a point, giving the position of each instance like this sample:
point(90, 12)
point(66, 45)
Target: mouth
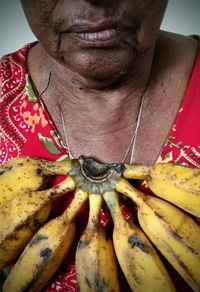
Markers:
point(99, 34)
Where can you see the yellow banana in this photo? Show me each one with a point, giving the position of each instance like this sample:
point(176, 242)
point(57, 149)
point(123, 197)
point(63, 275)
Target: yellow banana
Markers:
point(171, 230)
point(138, 259)
point(46, 251)
point(23, 215)
point(23, 174)
point(177, 184)
point(96, 265)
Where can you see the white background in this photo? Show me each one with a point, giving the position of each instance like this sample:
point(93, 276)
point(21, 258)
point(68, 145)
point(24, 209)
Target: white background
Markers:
point(182, 16)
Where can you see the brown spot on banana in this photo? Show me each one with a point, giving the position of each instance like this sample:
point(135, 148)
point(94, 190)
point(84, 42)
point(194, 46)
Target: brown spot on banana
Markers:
point(99, 284)
point(189, 278)
point(83, 243)
point(179, 238)
point(6, 169)
point(87, 283)
point(45, 254)
point(175, 235)
point(159, 215)
point(134, 240)
point(37, 239)
point(56, 167)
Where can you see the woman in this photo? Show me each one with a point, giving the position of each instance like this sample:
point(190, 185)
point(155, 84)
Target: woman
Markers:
point(105, 79)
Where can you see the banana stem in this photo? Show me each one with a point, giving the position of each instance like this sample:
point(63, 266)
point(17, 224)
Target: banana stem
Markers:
point(56, 167)
point(136, 171)
point(66, 186)
point(79, 199)
point(95, 201)
point(112, 201)
point(125, 188)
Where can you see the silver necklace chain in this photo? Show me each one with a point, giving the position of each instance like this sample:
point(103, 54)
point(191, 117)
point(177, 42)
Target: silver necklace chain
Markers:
point(71, 156)
point(131, 143)
point(135, 132)
point(133, 136)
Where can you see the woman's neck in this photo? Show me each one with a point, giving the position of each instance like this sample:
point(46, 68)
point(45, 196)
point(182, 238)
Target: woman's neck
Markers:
point(96, 115)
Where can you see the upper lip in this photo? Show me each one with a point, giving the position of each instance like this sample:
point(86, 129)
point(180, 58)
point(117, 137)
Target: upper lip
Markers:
point(85, 27)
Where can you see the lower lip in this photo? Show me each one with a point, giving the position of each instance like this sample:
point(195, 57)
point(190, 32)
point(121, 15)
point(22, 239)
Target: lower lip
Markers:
point(102, 37)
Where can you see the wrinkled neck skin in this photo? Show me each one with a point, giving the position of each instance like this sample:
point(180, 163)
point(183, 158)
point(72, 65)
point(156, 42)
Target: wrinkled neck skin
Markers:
point(97, 113)
point(70, 88)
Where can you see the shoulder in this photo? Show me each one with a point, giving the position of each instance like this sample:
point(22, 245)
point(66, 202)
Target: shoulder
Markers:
point(176, 49)
point(174, 57)
point(174, 60)
point(177, 39)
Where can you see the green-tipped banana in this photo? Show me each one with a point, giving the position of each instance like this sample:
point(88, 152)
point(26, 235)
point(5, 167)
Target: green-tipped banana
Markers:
point(138, 259)
point(171, 230)
point(21, 216)
point(177, 184)
point(24, 174)
point(96, 264)
point(46, 251)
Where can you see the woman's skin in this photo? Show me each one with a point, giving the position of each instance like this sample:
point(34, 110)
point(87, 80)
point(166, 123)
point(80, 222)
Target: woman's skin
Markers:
point(103, 55)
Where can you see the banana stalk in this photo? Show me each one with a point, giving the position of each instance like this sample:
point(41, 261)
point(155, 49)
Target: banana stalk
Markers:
point(138, 259)
point(136, 171)
point(46, 250)
point(171, 230)
point(22, 216)
point(96, 264)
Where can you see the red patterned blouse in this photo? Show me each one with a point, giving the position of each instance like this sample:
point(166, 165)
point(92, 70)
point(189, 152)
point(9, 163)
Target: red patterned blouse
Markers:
point(27, 129)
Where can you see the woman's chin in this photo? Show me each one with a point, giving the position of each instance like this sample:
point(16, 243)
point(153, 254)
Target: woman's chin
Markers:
point(100, 79)
point(101, 72)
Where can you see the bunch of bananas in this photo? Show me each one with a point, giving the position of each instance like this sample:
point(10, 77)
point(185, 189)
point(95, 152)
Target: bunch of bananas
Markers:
point(39, 245)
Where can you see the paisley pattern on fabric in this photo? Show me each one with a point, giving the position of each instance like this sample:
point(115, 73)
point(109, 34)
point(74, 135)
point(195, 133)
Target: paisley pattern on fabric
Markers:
point(27, 129)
